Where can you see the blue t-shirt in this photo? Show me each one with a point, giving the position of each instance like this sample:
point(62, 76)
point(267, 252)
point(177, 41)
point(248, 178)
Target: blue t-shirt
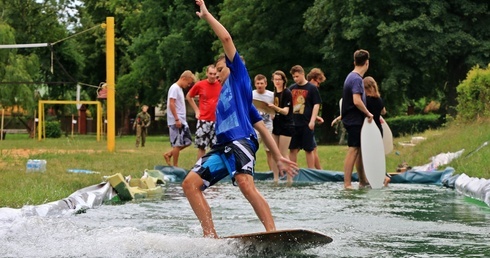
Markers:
point(235, 114)
point(351, 115)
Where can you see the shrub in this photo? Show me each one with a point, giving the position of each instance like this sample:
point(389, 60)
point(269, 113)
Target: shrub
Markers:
point(474, 94)
point(403, 125)
point(53, 129)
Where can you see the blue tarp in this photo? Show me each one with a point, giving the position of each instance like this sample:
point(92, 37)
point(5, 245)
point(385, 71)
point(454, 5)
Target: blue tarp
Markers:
point(309, 175)
point(314, 175)
point(423, 177)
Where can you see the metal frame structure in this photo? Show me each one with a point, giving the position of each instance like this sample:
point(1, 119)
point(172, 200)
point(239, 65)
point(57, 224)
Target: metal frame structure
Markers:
point(41, 128)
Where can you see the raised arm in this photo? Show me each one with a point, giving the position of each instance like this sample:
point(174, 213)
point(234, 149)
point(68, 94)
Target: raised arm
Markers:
point(223, 34)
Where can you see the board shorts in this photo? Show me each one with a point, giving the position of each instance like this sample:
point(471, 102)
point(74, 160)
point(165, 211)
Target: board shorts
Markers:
point(303, 138)
point(179, 137)
point(353, 135)
point(227, 160)
point(205, 134)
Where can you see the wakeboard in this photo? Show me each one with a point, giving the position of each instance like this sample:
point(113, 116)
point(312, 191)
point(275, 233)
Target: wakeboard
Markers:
point(288, 239)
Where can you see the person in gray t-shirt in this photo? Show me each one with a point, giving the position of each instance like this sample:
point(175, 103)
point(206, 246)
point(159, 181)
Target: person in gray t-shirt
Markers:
point(267, 96)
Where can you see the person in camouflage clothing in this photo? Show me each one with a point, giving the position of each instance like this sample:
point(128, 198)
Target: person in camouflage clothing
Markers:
point(141, 123)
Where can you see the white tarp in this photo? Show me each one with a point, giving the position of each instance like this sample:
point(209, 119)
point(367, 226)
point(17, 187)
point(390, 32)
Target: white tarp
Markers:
point(477, 188)
point(85, 198)
point(439, 160)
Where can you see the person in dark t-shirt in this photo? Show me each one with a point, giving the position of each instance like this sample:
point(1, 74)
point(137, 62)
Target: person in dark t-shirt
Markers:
point(282, 124)
point(353, 113)
point(306, 104)
point(374, 102)
point(376, 106)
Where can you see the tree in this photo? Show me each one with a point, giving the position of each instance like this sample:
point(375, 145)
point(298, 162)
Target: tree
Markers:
point(40, 22)
point(155, 42)
point(419, 48)
point(270, 34)
point(16, 68)
point(169, 42)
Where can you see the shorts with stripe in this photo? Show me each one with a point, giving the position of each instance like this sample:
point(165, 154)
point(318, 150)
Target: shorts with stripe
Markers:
point(179, 137)
point(227, 160)
point(205, 134)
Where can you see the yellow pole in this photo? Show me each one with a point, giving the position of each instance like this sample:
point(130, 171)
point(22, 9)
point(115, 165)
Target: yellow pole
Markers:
point(44, 126)
point(34, 126)
point(40, 118)
point(111, 85)
point(1, 127)
point(99, 119)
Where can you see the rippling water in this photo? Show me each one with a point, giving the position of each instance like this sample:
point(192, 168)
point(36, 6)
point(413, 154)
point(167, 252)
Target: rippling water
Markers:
point(401, 221)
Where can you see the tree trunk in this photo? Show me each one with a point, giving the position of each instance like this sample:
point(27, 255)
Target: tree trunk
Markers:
point(456, 72)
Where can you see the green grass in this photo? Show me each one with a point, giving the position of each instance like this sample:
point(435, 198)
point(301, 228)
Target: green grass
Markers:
point(455, 137)
point(19, 188)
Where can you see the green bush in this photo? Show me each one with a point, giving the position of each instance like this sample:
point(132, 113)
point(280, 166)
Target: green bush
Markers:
point(408, 125)
point(53, 129)
point(474, 94)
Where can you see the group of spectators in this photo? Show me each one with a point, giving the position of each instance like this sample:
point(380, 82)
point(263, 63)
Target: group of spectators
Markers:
point(295, 110)
point(289, 114)
point(233, 126)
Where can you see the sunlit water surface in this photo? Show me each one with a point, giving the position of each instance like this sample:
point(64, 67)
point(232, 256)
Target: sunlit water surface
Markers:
point(400, 221)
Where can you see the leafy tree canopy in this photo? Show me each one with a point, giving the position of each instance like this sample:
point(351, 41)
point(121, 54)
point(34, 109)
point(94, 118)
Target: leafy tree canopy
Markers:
point(419, 48)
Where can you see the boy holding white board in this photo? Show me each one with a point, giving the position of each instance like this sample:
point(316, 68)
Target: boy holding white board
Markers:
point(353, 113)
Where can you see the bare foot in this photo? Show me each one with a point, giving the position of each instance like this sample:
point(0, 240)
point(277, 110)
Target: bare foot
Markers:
point(367, 186)
point(387, 181)
point(349, 187)
point(167, 157)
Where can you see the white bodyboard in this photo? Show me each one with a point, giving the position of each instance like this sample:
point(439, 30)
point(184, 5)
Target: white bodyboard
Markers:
point(387, 136)
point(373, 154)
point(340, 106)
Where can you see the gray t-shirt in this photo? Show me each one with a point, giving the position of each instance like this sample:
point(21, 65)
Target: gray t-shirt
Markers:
point(268, 97)
point(176, 92)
